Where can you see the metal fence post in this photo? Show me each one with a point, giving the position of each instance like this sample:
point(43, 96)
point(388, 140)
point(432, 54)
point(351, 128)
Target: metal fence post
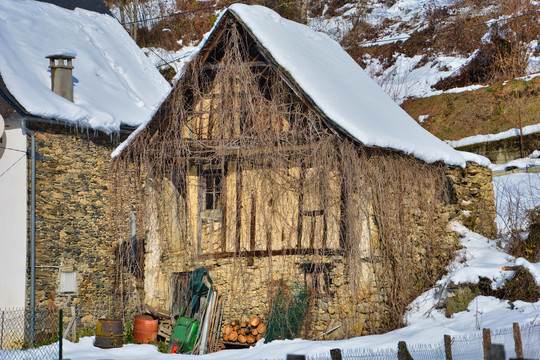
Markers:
point(495, 352)
point(403, 353)
point(335, 354)
point(60, 333)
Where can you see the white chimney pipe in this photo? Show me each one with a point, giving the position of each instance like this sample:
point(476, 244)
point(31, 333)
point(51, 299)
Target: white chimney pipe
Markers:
point(62, 72)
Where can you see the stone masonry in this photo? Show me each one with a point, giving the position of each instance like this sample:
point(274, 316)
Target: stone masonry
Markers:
point(72, 228)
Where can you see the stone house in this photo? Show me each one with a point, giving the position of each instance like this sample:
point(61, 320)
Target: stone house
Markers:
point(72, 83)
point(277, 163)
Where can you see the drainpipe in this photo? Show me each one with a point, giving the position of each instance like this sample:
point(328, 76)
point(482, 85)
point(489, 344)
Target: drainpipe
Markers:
point(32, 236)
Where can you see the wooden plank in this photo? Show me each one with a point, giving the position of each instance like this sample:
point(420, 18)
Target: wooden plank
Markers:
point(159, 313)
point(253, 223)
point(325, 230)
point(238, 208)
point(211, 236)
point(253, 64)
point(267, 253)
point(300, 208)
point(224, 207)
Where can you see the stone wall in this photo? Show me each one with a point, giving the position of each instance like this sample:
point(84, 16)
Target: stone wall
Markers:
point(250, 283)
point(474, 198)
point(72, 225)
point(505, 150)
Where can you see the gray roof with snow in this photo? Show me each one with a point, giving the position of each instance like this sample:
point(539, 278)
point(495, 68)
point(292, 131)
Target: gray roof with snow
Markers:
point(114, 82)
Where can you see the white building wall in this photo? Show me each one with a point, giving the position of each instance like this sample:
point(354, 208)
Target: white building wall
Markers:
point(13, 214)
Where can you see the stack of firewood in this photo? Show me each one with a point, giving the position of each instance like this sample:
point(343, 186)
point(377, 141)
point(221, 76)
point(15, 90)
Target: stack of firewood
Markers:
point(247, 332)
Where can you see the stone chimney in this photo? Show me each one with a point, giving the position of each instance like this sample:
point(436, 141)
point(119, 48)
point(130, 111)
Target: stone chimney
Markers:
point(62, 72)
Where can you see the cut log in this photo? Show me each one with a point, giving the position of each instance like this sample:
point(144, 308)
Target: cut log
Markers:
point(261, 328)
point(236, 328)
point(255, 321)
point(225, 337)
point(242, 338)
point(243, 325)
point(254, 332)
point(258, 337)
point(227, 329)
point(242, 331)
point(250, 339)
point(233, 336)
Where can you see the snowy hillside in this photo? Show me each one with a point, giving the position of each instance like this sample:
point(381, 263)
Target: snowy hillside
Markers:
point(407, 46)
point(432, 39)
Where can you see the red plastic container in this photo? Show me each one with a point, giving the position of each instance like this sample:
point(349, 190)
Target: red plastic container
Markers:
point(145, 329)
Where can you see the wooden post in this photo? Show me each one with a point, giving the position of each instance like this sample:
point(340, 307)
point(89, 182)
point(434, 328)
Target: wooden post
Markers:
point(495, 352)
point(517, 341)
point(448, 347)
point(403, 353)
point(486, 341)
point(335, 354)
point(521, 135)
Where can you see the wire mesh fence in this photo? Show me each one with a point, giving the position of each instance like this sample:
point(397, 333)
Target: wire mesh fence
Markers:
point(16, 335)
point(463, 347)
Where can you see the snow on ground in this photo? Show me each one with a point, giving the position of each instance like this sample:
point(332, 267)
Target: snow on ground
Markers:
point(515, 194)
point(176, 59)
point(406, 78)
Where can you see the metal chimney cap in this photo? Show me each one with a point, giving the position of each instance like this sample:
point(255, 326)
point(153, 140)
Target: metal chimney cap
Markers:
point(62, 54)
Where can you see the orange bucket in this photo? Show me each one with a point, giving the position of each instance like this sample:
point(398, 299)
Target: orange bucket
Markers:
point(145, 329)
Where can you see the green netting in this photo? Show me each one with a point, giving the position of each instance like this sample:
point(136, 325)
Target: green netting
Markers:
point(289, 308)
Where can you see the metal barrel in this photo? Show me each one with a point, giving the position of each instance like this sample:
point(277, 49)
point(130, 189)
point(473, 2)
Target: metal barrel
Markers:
point(109, 333)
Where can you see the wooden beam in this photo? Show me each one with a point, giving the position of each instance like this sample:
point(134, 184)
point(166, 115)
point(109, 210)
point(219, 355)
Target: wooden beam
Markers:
point(224, 206)
point(238, 208)
point(253, 223)
point(247, 64)
point(267, 253)
point(300, 208)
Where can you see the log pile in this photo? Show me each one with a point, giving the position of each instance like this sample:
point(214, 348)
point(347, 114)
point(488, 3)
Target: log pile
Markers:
point(246, 332)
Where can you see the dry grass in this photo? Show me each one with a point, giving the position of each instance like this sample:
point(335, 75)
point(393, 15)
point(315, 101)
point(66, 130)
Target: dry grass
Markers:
point(490, 110)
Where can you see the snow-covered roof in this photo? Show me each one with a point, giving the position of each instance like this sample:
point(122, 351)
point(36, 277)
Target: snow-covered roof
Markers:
point(340, 88)
point(479, 139)
point(114, 83)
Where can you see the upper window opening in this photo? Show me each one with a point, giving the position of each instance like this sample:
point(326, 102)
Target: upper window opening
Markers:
point(211, 186)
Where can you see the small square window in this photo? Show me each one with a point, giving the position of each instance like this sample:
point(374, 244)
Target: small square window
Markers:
point(317, 280)
point(211, 189)
point(68, 281)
